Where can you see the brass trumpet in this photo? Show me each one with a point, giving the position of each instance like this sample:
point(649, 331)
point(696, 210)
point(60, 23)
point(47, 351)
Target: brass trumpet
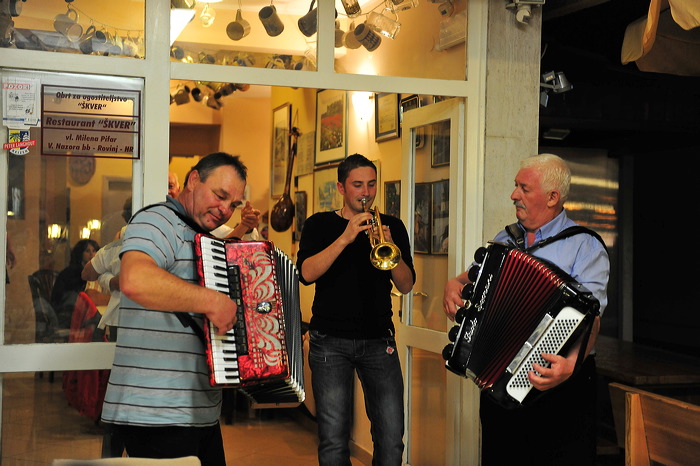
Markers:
point(384, 255)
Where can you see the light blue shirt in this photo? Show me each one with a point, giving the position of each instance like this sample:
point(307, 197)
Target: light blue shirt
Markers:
point(582, 256)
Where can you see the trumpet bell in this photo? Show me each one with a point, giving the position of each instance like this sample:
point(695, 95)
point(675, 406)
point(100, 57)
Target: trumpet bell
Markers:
point(385, 256)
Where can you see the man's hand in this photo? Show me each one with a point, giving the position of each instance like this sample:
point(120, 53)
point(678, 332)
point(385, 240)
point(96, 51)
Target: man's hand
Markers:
point(222, 313)
point(250, 217)
point(562, 367)
point(386, 231)
point(357, 224)
point(560, 370)
point(452, 297)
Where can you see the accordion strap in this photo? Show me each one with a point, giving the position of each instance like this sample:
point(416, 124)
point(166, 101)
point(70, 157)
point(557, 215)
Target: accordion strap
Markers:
point(518, 236)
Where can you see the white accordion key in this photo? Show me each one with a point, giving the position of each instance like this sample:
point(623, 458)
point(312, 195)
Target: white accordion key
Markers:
point(223, 347)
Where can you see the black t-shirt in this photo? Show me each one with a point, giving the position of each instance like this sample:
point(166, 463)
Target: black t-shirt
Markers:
point(352, 298)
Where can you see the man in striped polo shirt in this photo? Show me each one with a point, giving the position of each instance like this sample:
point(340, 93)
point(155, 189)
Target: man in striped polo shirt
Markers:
point(159, 400)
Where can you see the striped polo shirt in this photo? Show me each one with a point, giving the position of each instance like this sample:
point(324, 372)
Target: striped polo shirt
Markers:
point(160, 376)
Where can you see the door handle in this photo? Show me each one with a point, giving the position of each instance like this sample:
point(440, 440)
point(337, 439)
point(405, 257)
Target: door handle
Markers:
point(420, 293)
point(398, 295)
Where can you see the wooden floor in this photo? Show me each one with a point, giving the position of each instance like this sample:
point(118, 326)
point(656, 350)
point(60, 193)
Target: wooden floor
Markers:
point(39, 426)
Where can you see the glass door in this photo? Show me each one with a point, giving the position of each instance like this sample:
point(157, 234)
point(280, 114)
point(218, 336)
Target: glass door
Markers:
point(68, 168)
point(433, 171)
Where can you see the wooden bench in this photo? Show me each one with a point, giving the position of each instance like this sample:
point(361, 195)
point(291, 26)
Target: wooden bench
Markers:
point(655, 427)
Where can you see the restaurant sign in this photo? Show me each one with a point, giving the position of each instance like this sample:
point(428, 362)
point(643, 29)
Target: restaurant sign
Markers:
point(81, 122)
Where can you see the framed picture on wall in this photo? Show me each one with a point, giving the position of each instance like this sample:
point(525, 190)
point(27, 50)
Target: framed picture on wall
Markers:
point(326, 193)
point(331, 126)
point(440, 222)
point(386, 116)
point(299, 214)
point(408, 104)
point(392, 198)
point(306, 149)
point(440, 98)
point(281, 121)
point(422, 216)
point(441, 144)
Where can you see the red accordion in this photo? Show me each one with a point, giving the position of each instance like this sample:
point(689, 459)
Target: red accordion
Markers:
point(517, 308)
point(262, 354)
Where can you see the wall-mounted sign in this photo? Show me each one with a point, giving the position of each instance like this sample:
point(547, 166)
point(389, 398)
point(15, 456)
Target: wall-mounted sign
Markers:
point(79, 121)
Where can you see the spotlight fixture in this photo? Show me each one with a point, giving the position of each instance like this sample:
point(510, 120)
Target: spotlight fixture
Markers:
point(557, 82)
point(523, 9)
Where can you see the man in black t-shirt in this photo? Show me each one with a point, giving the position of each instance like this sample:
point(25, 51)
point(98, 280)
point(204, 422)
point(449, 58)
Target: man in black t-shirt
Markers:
point(351, 327)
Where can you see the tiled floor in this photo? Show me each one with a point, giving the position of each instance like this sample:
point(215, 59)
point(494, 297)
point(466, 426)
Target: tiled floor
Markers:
point(39, 426)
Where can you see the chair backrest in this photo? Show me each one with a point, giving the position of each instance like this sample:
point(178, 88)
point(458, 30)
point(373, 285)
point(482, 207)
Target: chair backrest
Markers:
point(84, 312)
point(658, 428)
point(45, 319)
point(43, 283)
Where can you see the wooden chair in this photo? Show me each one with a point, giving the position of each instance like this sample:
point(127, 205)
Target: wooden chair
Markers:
point(45, 321)
point(85, 389)
point(655, 427)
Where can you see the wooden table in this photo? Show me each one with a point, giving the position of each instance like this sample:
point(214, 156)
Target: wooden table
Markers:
point(645, 366)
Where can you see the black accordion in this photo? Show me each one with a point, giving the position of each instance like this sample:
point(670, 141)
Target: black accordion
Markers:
point(262, 355)
point(517, 308)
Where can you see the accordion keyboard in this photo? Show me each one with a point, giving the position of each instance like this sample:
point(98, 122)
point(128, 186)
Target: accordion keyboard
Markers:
point(224, 278)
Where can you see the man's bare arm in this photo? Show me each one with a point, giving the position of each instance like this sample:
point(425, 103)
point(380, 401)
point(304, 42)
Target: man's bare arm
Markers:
point(142, 281)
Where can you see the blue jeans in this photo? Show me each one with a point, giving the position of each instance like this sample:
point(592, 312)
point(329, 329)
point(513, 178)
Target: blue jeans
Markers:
point(333, 362)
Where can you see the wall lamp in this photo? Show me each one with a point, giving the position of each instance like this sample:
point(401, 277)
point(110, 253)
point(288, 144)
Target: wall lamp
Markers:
point(55, 231)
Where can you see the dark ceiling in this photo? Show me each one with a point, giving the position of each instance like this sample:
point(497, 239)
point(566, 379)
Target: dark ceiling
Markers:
point(590, 27)
point(612, 105)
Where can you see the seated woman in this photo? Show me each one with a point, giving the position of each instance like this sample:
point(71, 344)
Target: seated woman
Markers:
point(69, 283)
